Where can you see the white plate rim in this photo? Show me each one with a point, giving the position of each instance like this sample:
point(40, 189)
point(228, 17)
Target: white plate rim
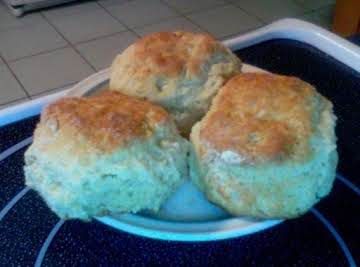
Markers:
point(186, 232)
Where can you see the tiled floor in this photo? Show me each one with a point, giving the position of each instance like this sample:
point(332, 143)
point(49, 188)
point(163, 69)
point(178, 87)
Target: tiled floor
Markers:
point(48, 50)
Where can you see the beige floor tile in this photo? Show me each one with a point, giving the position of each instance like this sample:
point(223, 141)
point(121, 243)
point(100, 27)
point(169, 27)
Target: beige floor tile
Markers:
point(141, 12)
point(26, 41)
point(53, 91)
point(224, 21)
point(86, 26)
point(10, 89)
point(51, 70)
point(173, 24)
point(71, 9)
point(9, 21)
point(188, 6)
point(271, 10)
point(100, 53)
point(112, 2)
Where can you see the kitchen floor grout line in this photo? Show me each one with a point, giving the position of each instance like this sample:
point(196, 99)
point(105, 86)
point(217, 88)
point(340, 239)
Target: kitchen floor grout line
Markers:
point(67, 5)
point(53, 90)
point(100, 7)
point(133, 29)
point(15, 76)
point(235, 34)
point(177, 17)
point(100, 37)
point(37, 54)
point(66, 46)
point(70, 44)
point(226, 4)
point(249, 13)
point(118, 20)
point(18, 27)
point(194, 11)
point(184, 16)
point(14, 101)
point(2, 60)
point(305, 11)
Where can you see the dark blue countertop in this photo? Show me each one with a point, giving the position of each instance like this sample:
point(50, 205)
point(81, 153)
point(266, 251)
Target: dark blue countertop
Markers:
point(329, 235)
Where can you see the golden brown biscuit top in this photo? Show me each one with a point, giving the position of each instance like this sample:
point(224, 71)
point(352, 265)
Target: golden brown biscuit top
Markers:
point(261, 117)
point(107, 121)
point(169, 53)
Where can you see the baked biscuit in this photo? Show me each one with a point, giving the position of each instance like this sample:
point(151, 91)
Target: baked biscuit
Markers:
point(266, 148)
point(181, 71)
point(105, 154)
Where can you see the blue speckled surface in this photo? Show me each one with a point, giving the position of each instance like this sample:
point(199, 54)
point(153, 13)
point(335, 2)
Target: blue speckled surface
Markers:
point(305, 241)
point(342, 209)
point(14, 133)
point(11, 176)
point(24, 229)
point(98, 244)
